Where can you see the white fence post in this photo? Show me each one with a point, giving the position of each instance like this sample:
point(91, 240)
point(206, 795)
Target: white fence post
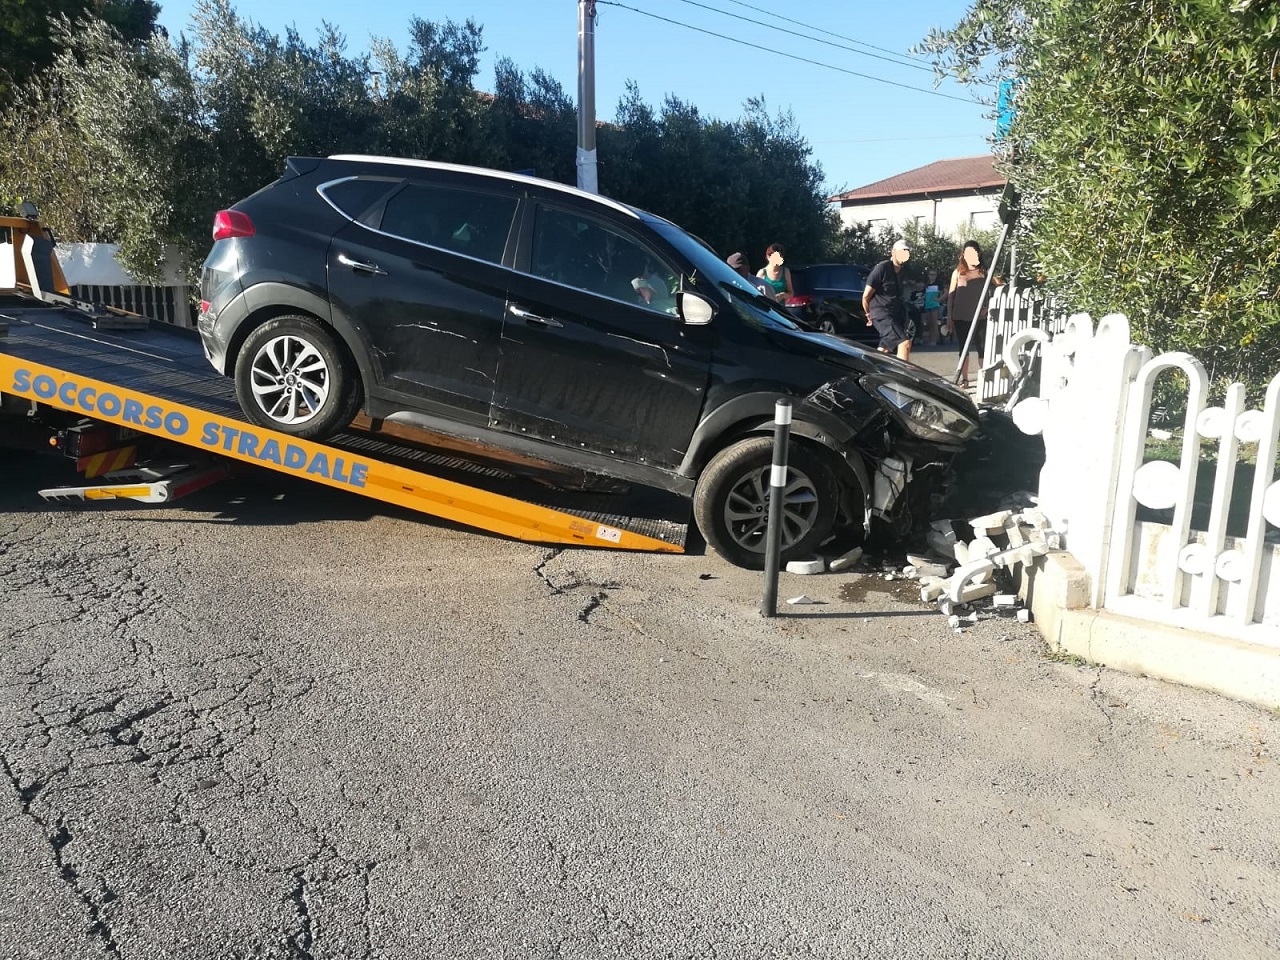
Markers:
point(1264, 502)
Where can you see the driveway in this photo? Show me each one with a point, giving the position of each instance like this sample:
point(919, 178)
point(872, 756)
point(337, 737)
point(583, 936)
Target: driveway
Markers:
point(275, 720)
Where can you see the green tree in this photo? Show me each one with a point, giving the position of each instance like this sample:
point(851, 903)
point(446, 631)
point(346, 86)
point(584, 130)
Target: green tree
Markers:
point(140, 145)
point(30, 44)
point(1146, 149)
point(96, 149)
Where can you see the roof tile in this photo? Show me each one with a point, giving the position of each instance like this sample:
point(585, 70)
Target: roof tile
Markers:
point(965, 173)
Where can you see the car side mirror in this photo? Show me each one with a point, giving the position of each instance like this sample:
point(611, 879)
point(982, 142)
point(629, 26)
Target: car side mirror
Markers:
point(694, 309)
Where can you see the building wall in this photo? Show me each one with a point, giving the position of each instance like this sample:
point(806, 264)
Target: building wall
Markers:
point(957, 216)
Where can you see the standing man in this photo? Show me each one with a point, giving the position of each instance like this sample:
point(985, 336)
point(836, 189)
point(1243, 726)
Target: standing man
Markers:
point(884, 304)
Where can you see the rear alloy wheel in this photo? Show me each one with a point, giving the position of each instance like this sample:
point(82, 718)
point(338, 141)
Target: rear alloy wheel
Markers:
point(731, 503)
point(827, 324)
point(292, 376)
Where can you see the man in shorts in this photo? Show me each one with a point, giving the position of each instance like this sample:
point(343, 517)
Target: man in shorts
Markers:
point(884, 303)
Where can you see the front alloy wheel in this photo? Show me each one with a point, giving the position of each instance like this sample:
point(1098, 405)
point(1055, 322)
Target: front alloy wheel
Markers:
point(731, 503)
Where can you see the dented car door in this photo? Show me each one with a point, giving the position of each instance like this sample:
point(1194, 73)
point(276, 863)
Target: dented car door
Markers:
point(592, 355)
point(424, 283)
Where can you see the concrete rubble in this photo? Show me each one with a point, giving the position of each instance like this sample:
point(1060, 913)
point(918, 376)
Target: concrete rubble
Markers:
point(968, 567)
point(973, 578)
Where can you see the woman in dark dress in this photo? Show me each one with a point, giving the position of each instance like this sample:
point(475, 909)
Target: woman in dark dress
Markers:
point(963, 295)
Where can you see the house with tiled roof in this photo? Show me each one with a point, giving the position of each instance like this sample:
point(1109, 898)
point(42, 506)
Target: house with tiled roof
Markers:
point(956, 197)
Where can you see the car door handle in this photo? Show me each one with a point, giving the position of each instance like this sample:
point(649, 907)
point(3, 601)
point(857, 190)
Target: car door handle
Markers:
point(361, 266)
point(530, 317)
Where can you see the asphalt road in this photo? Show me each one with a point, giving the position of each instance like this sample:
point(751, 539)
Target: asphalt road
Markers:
point(278, 721)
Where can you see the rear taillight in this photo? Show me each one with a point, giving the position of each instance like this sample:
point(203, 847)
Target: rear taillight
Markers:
point(799, 301)
point(231, 223)
point(204, 306)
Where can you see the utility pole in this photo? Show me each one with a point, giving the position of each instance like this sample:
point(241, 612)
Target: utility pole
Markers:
point(587, 96)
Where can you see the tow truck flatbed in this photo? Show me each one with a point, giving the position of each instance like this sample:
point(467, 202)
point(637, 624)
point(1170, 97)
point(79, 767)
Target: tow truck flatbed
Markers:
point(155, 380)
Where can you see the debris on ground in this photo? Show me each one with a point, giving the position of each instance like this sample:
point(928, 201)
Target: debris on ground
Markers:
point(966, 567)
point(846, 561)
point(807, 567)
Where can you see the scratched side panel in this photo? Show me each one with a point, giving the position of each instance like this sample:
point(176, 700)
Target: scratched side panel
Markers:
point(433, 318)
point(623, 381)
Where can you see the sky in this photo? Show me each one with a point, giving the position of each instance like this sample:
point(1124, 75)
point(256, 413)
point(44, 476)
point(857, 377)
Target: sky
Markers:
point(861, 128)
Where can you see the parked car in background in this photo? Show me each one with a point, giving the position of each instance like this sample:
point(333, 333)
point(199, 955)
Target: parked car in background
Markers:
point(828, 299)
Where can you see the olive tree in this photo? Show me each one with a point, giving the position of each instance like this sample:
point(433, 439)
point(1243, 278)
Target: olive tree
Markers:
point(1146, 149)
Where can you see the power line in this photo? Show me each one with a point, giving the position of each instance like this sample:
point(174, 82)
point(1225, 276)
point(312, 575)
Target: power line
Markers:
point(807, 26)
point(789, 56)
point(838, 46)
point(945, 136)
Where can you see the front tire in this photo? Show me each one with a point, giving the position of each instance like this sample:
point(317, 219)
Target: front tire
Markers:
point(731, 502)
point(292, 375)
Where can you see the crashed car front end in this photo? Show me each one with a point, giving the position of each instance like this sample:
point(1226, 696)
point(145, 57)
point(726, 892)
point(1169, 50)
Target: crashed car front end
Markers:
point(907, 432)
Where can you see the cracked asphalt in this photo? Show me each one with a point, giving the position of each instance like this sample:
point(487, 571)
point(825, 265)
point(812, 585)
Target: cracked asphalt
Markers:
point(277, 721)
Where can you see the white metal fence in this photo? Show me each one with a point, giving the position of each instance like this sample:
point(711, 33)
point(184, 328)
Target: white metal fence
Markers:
point(1012, 310)
point(1175, 522)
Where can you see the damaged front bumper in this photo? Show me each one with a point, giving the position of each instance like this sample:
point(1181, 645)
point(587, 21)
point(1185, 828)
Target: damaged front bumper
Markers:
point(905, 437)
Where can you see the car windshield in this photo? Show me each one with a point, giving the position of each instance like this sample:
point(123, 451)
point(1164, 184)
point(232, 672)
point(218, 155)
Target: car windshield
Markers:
point(753, 306)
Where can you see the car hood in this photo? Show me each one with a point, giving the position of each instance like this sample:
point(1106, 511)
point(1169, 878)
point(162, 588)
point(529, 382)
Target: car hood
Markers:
point(856, 359)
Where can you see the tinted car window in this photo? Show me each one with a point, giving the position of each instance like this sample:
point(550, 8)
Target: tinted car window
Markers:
point(802, 280)
point(582, 252)
point(844, 278)
point(354, 197)
point(463, 221)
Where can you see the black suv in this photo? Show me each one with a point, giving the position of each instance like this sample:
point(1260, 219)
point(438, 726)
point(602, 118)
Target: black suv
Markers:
point(566, 328)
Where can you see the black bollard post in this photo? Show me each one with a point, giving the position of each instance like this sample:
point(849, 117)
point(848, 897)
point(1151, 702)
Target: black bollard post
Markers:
point(777, 487)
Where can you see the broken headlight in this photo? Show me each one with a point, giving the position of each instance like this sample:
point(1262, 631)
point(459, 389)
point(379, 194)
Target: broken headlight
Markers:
point(925, 416)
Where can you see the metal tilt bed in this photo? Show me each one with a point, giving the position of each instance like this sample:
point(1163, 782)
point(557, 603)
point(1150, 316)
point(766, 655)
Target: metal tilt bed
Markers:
point(155, 380)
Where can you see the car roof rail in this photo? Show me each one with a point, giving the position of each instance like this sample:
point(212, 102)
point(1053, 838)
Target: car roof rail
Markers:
point(488, 172)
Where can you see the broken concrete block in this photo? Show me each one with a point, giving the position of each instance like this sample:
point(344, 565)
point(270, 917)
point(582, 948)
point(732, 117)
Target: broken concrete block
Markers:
point(1015, 534)
point(909, 572)
point(846, 561)
point(802, 599)
point(982, 547)
point(932, 591)
point(953, 621)
point(976, 591)
point(961, 551)
point(1005, 599)
point(970, 617)
point(806, 567)
point(1036, 518)
point(1053, 539)
point(1024, 615)
point(991, 523)
point(947, 607)
point(931, 569)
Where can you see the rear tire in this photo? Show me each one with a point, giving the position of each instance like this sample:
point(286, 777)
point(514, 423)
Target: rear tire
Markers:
point(730, 503)
point(827, 324)
point(293, 375)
